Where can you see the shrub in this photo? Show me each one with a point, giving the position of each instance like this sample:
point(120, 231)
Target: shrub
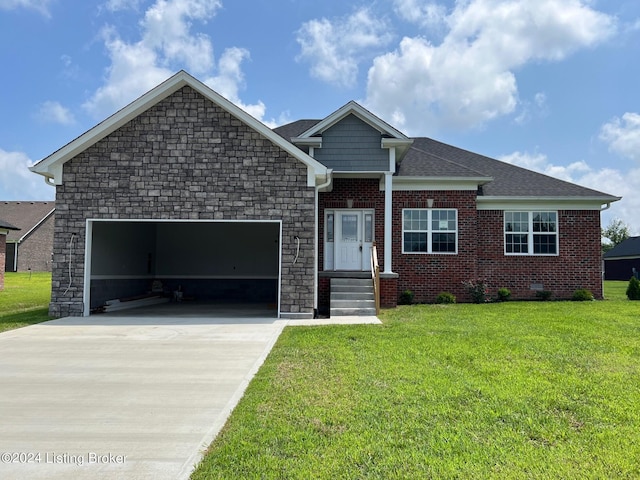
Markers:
point(582, 295)
point(478, 290)
point(543, 295)
point(633, 290)
point(446, 298)
point(504, 294)
point(406, 298)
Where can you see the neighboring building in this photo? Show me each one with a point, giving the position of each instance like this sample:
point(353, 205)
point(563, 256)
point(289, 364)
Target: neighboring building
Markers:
point(5, 228)
point(30, 248)
point(623, 261)
point(185, 188)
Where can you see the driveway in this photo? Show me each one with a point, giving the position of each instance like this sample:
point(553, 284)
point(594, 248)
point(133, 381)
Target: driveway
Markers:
point(121, 396)
point(129, 395)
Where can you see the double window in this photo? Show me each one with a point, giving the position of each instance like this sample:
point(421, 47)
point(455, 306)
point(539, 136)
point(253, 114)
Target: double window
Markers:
point(531, 233)
point(429, 231)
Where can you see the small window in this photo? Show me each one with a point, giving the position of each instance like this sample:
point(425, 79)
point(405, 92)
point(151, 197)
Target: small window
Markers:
point(368, 227)
point(330, 227)
point(531, 233)
point(429, 231)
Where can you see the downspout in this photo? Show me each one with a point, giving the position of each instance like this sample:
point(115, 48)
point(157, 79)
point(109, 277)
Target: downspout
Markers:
point(606, 207)
point(328, 180)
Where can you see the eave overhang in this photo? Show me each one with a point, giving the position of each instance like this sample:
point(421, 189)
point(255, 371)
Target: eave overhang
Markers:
point(551, 203)
point(439, 183)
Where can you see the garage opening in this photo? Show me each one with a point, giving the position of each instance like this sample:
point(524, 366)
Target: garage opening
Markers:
point(208, 262)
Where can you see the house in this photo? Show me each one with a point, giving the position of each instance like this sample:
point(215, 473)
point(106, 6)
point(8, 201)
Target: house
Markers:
point(30, 248)
point(5, 228)
point(185, 189)
point(623, 261)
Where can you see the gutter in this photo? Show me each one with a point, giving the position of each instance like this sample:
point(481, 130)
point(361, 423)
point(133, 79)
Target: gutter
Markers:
point(44, 219)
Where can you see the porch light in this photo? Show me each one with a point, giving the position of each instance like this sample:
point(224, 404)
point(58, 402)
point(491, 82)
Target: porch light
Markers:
point(349, 202)
point(430, 202)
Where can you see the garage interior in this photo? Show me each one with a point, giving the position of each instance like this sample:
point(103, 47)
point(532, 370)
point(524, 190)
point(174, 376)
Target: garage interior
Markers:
point(217, 263)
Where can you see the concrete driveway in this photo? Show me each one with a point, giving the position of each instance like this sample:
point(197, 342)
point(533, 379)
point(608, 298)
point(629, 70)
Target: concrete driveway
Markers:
point(131, 397)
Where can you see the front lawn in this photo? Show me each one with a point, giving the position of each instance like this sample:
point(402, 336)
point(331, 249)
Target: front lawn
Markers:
point(25, 299)
point(511, 390)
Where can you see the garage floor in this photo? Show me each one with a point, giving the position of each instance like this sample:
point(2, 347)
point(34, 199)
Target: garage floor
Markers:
point(131, 394)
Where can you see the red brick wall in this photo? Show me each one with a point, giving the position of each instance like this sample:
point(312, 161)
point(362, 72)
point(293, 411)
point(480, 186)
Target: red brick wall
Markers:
point(578, 264)
point(388, 292)
point(480, 248)
point(427, 275)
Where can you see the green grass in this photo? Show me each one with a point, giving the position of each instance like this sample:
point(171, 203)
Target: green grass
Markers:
point(25, 299)
point(508, 390)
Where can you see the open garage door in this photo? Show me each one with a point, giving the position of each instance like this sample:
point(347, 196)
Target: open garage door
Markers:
point(217, 262)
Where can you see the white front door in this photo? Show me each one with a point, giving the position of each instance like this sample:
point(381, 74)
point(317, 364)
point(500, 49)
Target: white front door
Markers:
point(349, 240)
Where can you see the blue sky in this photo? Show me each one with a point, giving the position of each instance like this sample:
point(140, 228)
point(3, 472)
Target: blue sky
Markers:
point(550, 85)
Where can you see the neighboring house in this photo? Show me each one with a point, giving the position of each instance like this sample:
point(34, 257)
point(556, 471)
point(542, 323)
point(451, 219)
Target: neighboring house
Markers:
point(185, 189)
point(623, 261)
point(30, 248)
point(5, 228)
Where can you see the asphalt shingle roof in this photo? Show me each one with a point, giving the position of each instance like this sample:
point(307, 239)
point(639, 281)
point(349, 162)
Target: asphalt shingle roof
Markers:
point(24, 215)
point(430, 158)
point(630, 247)
point(7, 225)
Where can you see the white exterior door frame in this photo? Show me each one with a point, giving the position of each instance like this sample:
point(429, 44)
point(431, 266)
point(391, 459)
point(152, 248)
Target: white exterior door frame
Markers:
point(349, 235)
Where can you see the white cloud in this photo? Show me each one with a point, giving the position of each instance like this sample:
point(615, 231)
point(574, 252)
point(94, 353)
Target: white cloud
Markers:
point(335, 48)
point(607, 180)
point(230, 79)
point(118, 5)
point(17, 182)
point(54, 112)
point(168, 43)
point(468, 79)
point(41, 6)
point(427, 14)
point(623, 135)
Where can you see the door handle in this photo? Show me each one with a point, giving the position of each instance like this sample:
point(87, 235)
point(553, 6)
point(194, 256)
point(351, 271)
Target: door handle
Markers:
point(360, 247)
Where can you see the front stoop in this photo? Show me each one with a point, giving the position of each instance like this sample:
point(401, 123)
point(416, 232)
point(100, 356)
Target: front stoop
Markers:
point(352, 296)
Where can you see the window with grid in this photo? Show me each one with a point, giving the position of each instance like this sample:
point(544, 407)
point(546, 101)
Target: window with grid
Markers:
point(531, 233)
point(429, 231)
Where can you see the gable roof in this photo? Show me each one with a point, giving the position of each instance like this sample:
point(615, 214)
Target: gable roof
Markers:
point(51, 166)
point(390, 136)
point(25, 215)
point(628, 248)
point(428, 158)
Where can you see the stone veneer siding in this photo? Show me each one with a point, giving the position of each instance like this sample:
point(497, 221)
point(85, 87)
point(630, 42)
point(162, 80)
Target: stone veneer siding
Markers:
point(185, 158)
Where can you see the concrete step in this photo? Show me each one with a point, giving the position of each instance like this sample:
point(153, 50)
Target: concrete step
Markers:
point(353, 303)
point(346, 312)
point(352, 295)
point(352, 288)
point(351, 282)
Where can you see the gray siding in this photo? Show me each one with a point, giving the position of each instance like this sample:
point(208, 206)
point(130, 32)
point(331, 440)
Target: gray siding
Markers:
point(352, 145)
point(184, 158)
